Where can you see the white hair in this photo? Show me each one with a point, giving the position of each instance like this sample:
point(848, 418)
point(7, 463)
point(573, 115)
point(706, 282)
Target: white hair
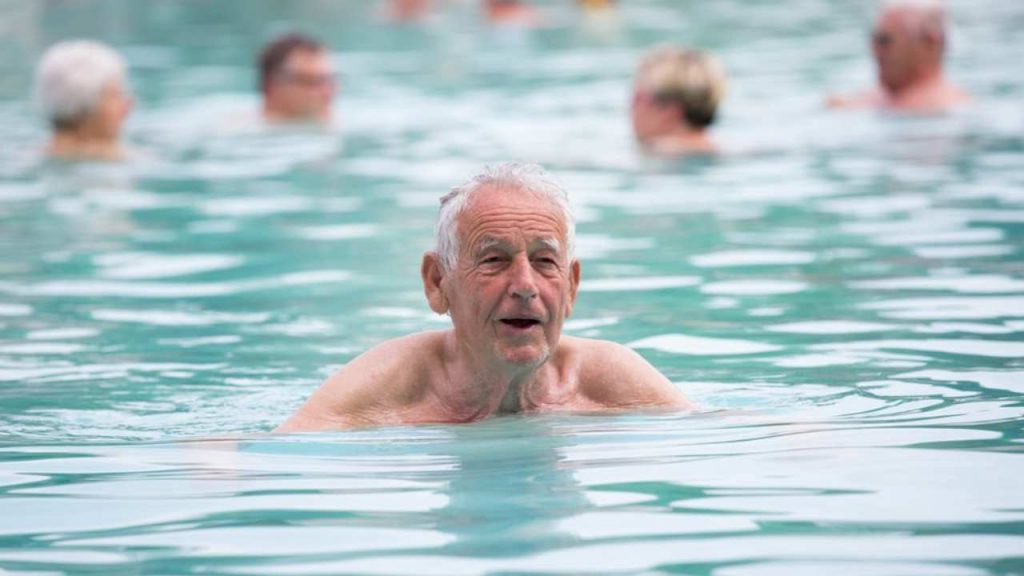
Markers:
point(71, 77)
point(521, 176)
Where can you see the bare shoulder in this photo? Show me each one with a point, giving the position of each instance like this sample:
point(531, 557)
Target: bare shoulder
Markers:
point(373, 387)
point(865, 99)
point(616, 376)
point(958, 95)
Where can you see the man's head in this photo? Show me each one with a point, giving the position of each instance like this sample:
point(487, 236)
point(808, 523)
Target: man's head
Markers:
point(908, 42)
point(674, 87)
point(296, 79)
point(503, 265)
point(80, 86)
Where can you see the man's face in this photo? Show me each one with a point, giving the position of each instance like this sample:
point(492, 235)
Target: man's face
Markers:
point(899, 49)
point(650, 117)
point(304, 87)
point(513, 285)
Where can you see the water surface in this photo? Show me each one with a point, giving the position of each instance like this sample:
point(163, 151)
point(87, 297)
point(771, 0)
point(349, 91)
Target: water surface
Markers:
point(842, 293)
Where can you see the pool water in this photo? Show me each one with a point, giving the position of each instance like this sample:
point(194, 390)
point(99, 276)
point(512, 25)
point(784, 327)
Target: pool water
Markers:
point(842, 293)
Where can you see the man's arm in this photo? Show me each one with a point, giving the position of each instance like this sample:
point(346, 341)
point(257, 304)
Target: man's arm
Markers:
point(618, 377)
point(335, 405)
point(371, 389)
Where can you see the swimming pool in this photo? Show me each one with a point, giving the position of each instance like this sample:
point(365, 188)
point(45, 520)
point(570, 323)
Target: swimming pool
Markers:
point(843, 293)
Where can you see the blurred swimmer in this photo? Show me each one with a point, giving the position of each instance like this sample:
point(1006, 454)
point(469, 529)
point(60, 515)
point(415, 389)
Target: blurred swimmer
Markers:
point(596, 5)
point(81, 88)
point(297, 80)
point(510, 12)
point(599, 20)
point(408, 10)
point(908, 44)
point(676, 94)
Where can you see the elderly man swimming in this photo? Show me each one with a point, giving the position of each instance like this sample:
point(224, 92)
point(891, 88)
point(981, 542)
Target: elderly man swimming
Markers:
point(908, 43)
point(503, 270)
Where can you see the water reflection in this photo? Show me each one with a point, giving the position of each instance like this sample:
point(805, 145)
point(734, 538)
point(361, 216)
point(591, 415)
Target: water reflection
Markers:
point(528, 493)
point(495, 490)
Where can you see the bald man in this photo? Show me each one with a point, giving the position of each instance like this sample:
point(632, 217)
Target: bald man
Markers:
point(908, 44)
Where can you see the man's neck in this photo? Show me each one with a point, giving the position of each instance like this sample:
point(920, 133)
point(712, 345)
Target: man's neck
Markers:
point(681, 140)
point(928, 89)
point(274, 115)
point(476, 387)
point(81, 144)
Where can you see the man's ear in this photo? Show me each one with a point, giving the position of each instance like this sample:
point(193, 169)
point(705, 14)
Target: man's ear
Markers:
point(935, 41)
point(574, 284)
point(434, 282)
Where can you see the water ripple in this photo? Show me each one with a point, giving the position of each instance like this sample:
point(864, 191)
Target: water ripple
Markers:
point(685, 344)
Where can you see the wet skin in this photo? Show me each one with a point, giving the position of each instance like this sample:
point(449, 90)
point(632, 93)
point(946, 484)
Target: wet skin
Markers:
point(511, 288)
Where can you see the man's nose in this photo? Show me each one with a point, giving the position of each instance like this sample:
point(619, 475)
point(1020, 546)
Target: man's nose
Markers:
point(522, 284)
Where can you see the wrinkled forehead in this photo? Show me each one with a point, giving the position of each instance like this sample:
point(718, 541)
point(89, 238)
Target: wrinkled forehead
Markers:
point(497, 209)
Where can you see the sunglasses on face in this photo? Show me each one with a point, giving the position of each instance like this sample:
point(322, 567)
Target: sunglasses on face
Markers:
point(642, 96)
point(881, 39)
point(307, 80)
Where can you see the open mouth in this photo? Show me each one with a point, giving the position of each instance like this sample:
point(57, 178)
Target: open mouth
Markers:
point(521, 323)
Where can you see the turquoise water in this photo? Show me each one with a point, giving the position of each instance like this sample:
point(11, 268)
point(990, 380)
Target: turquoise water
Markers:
point(842, 293)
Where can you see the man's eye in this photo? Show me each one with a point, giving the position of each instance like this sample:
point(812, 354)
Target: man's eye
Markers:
point(491, 260)
point(546, 262)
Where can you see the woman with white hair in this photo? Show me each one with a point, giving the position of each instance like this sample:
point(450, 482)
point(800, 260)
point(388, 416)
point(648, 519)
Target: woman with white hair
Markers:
point(80, 87)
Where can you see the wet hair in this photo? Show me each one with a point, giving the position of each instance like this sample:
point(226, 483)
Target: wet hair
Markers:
point(515, 175)
point(276, 52)
point(70, 79)
point(692, 79)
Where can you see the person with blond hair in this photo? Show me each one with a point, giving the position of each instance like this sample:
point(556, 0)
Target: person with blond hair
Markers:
point(908, 44)
point(676, 94)
point(81, 89)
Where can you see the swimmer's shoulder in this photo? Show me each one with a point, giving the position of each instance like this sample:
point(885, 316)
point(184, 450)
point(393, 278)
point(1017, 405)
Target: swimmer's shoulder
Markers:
point(953, 95)
point(616, 376)
point(871, 98)
point(395, 372)
point(374, 388)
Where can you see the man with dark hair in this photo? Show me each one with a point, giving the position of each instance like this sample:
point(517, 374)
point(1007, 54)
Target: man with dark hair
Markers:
point(296, 80)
